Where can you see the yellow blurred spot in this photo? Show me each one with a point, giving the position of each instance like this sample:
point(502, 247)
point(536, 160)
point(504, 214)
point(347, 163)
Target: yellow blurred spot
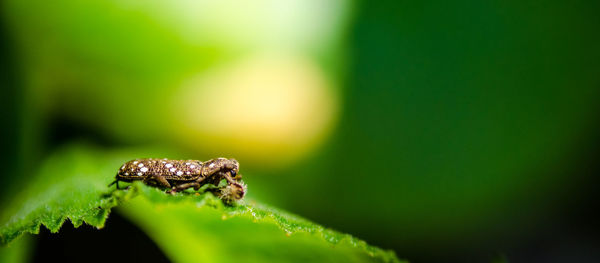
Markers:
point(264, 108)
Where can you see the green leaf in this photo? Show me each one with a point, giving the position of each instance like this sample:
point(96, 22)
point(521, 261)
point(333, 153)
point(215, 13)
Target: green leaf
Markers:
point(17, 251)
point(72, 185)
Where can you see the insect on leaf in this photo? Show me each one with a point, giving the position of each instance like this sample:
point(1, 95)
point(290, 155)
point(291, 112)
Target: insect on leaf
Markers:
point(72, 184)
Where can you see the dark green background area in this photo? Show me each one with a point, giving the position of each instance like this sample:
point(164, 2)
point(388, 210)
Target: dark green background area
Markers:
point(464, 129)
point(468, 129)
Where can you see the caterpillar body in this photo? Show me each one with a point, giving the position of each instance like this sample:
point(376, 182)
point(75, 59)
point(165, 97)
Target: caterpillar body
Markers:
point(178, 175)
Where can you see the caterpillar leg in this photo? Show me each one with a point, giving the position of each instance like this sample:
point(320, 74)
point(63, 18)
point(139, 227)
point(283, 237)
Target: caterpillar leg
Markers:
point(159, 180)
point(229, 178)
point(116, 181)
point(182, 187)
point(196, 184)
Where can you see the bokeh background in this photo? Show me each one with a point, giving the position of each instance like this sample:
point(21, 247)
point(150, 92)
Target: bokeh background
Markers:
point(454, 131)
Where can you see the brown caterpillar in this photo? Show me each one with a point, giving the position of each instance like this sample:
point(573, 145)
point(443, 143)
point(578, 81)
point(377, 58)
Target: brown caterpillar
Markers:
point(178, 175)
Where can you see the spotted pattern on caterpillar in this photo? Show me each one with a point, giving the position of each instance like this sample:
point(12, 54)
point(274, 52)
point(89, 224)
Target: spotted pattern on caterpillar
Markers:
point(178, 175)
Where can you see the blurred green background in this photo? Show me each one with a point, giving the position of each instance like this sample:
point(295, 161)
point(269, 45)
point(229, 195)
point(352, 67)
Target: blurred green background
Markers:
point(446, 131)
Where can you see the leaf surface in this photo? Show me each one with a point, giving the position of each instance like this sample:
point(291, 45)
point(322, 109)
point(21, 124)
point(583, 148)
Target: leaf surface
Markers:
point(189, 227)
